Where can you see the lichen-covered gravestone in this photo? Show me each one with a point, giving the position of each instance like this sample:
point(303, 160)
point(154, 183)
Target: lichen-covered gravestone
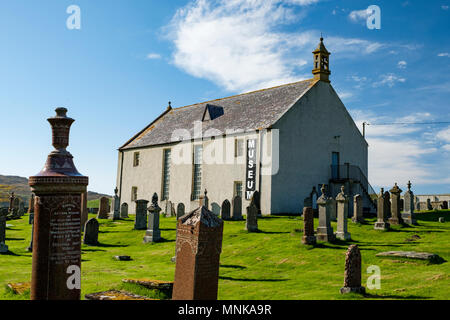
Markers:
point(124, 210)
point(381, 223)
point(115, 213)
point(352, 275)
point(153, 233)
point(91, 229)
point(103, 208)
point(396, 218)
point(308, 226)
point(358, 209)
point(408, 214)
point(324, 230)
point(251, 223)
point(198, 246)
point(237, 208)
point(342, 214)
point(180, 210)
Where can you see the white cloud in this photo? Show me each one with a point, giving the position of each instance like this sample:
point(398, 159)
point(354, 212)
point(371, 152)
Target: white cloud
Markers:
point(389, 80)
point(359, 16)
point(402, 64)
point(153, 56)
point(236, 43)
point(444, 54)
point(444, 135)
point(446, 147)
point(444, 7)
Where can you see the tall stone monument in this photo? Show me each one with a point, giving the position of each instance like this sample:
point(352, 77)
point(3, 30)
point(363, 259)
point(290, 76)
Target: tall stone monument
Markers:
point(204, 200)
point(3, 246)
point(308, 228)
point(396, 218)
point(56, 263)
point(387, 204)
point(31, 204)
point(140, 222)
point(352, 275)
point(115, 213)
point(382, 223)
point(324, 230)
point(153, 234)
point(408, 214)
point(103, 208)
point(358, 216)
point(342, 215)
point(199, 244)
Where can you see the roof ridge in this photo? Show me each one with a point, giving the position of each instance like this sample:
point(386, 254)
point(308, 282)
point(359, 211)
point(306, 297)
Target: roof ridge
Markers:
point(242, 94)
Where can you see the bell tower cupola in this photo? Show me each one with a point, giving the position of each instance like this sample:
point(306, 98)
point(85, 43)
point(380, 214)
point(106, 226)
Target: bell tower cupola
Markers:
point(321, 70)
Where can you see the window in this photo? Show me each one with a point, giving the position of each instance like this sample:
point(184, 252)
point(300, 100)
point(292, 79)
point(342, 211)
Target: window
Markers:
point(237, 189)
point(197, 175)
point(238, 147)
point(166, 175)
point(136, 159)
point(134, 193)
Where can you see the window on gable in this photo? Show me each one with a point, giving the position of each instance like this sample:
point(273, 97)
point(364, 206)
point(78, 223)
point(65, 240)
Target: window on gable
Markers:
point(136, 159)
point(134, 193)
point(238, 147)
point(197, 174)
point(166, 174)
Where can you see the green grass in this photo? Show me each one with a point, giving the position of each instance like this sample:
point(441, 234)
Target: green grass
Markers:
point(272, 264)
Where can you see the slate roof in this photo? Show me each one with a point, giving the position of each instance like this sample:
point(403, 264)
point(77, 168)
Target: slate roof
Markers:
point(245, 112)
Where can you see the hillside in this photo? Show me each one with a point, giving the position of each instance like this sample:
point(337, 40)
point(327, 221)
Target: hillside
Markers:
point(19, 185)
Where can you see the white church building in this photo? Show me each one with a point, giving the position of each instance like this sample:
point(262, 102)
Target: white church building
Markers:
point(281, 141)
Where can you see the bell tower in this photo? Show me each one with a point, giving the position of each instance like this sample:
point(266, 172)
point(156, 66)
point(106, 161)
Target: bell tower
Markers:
point(321, 70)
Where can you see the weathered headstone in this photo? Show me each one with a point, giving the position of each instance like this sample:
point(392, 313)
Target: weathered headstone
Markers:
point(115, 213)
point(124, 210)
point(199, 244)
point(180, 210)
point(91, 232)
point(21, 210)
point(11, 202)
point(308, 226)
point(237, 208)
point(429, 206)
point(381, 223)
point(56, 273)
point(3, 246)
point(444, 205)
point(358, 216)
point(226, 207)
point(352, 275)
point(324, 230)
point(84, 210)
point(169, 209)
point(257, 200)
point(153, 234)
point(103, 208)
point(215, 208)
point(31, 221)
point(31, 204)
point(387, 204)
point(396, 217)
point(251, 224)
point(140, 222)
point(408, 214)
point(342, 215)
point(333, 209)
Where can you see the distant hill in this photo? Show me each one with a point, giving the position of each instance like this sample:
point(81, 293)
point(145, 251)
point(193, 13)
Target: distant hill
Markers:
point(21, 189)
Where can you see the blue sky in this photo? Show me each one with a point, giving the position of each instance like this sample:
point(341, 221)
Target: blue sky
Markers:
point(118, 72)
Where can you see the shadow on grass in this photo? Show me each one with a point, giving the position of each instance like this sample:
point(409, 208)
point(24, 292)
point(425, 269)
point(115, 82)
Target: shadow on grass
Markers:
point(232, 266)
point(105, 245)
point(162, 240)
point(432, 216)
point(271, 232)
point(92, 250)
point(167, 229)
point(110, 231)
point(15, 239)
point(10, 253)
point(252, 280)
point(393, 296)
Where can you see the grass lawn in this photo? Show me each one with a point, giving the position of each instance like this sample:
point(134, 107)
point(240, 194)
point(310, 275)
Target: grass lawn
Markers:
point(272, 264)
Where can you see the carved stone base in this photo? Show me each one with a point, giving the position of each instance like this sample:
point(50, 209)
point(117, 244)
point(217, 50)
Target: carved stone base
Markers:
point(311, 240)
point(381, 225)
point(395, 221)
point(358, 219)
point(322, 235)
point(360, 290)
point(3, 248)
point(152, 236)
point(408, 218)
point(343, 235)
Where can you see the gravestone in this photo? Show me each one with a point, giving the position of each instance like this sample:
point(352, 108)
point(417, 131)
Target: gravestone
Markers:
point(91, 229)
point(307, 202)
point(381, 223)
point(204, 200)
point(352, 275)
point(324, 230)
point(333, 209)
point(11, 202)
point(408, 214)
point(21, 210)
point(257, 200)
point(180, 210)
point(342, 215)
point(226, 207)
point(3, 246)
point(198, 247)
point(124, 210)
point(444, 205)
point(140, 222)
point(429, 206)
point(169, 209)
point(153, 234)
point(358, 216)
point(237, 208)
point(387, 203)
point(31, 221)
point(115, 213)
point(251, 224)
point(396, 217)
point(103, 208)
point(215, 208)
point(84, 210)
point(308, 226)
point(31, 204)
point(56, 263)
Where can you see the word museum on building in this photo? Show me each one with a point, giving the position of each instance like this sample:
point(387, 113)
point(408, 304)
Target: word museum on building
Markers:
point(284, 142)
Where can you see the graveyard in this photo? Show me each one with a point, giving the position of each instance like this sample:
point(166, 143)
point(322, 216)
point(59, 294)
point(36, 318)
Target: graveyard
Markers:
point(271, 264)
